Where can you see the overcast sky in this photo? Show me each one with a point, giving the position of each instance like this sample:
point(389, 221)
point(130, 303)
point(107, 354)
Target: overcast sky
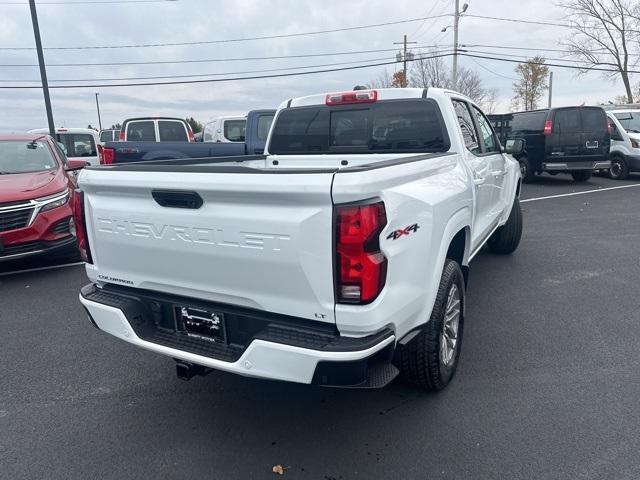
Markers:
point(205, 20)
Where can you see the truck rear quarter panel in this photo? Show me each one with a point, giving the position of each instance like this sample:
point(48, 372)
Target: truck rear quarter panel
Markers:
point(435, 195)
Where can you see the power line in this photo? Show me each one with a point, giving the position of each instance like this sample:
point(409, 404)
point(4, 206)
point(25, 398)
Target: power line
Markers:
point(212, 60)
point(215, 80)
point(292, 74)
point(206, 74)
point(491, 71)
point(559, 65)
point(233, 40)
point(518, 20)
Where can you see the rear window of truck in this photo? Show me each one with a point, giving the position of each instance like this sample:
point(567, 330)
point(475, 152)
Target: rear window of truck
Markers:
point(78, 144)
point(234, 130)
point(567, 120)
point(594, 120)
point(141, 131)
point(392, 126)
point(531, 121)
point(171, 131)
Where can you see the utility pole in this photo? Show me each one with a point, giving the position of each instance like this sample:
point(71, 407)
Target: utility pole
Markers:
point(550, 87)
point(98, 107)
point(405, 56)
point(456, 22)
point(43, 71)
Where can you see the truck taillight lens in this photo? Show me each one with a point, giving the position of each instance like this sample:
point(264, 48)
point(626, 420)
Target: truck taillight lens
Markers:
point(548, 127)
point(121, 136)
point(80, 226)
point(107, 156)
point(357, 96)
point(361, 268)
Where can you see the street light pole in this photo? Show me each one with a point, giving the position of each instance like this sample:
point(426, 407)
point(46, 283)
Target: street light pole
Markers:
point(456, 21)
point(43, 71)
point(98, 107)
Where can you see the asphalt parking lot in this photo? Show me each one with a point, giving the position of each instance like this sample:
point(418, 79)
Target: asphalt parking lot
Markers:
point(547, 386)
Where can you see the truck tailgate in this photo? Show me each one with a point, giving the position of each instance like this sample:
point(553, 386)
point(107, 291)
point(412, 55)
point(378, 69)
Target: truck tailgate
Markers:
point(259, 240)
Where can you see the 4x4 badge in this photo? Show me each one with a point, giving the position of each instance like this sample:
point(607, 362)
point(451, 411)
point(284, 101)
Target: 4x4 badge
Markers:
point(401, 232)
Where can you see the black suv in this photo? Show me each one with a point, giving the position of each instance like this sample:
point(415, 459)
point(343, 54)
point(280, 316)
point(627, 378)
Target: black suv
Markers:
point(571, 140)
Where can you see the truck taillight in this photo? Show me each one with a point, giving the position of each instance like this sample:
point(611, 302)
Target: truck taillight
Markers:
point(121, 136)
point(357, 96)
point(80, 226)
point(361, 268)
point(107, 155)
point(190, 134)
point(548, 127)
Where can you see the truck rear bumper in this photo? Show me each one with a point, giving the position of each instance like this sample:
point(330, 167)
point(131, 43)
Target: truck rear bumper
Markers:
point(276, 353)
point(572, 166)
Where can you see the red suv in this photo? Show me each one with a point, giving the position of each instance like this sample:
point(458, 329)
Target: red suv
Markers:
point(36, 193)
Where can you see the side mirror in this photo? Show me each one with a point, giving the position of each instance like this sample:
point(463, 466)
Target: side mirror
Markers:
point(515, 146)
point(75, 164)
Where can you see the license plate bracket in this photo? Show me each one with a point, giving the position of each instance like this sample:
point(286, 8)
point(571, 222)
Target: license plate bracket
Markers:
point(199, 322)
point(592, 144)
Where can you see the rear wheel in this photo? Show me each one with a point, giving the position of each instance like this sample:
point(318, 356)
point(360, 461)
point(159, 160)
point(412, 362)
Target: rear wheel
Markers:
point(528, 175)
point(430, 360)
point(582, 175)
point(506, 239)
point(619, 169)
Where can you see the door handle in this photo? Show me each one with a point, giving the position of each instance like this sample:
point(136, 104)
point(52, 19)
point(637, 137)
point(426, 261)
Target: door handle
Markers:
point(498, 173)
point(478, 181)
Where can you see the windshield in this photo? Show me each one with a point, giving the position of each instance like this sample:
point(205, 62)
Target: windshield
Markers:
point(23, 156)
point(630, 121)
point(386, 127)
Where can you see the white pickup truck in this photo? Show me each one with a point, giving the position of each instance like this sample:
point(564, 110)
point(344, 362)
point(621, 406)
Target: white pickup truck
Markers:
point(340, 257)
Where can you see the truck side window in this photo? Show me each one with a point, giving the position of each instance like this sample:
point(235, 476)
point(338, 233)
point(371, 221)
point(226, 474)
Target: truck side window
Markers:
point(264, 124)
point(486, 133)
point(466, 125)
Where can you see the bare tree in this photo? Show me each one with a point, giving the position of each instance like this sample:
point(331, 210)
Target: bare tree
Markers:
point(383, 80)
point(531, 84)
point(429, 72)
point(603, 31)
point(434, 72)
point(470, 84)
point(490, 102)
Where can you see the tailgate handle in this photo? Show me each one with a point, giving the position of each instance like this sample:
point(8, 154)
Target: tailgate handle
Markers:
point(177, 199)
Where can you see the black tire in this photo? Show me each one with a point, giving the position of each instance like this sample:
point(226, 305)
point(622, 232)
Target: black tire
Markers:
point(528, 174)
point(506, 239)
point(619, 169)
point(581, 175)
point(420, 361)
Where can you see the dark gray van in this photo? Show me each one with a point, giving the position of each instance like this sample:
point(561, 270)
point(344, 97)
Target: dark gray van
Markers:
point(573, 140)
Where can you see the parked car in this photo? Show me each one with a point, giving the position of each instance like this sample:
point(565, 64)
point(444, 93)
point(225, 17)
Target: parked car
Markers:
point(36, 192)
point(573, 140)
point(156, 129)
point(110, 135)
point(225, 130)
point(257, 129)
point(77, 143)
point(339, 257)
point(625, 142)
